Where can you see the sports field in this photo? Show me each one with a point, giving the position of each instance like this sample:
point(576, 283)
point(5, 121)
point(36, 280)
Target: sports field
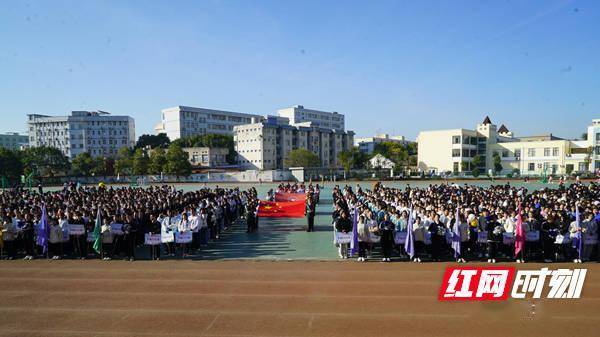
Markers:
point(267, 298)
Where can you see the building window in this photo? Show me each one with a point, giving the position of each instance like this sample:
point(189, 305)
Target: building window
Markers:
point(518, 153)
point(555, 152)
point(456, 140)
point(583, 166)
point(504, 153)
point(531, 167)
point(546, 152)
point(531, 152)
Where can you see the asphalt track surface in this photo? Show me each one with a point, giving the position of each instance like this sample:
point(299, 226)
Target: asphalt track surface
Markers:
point(269, 298)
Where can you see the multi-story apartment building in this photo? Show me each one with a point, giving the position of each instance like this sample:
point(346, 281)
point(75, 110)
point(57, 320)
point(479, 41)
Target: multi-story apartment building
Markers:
point(265, 144)
point(367, 144)
point(322, 119)
point(95, 132)
point(185, 121)
point(13, 140)
point(454, 150)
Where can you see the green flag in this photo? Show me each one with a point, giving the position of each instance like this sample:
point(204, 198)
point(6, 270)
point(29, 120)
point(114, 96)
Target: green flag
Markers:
point(98, 233)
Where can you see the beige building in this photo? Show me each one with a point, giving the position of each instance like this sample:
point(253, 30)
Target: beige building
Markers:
point(454, 150)
point(206, 156)
point(265, 144)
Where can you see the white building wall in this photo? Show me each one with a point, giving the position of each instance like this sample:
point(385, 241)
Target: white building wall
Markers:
point(184, 121)
point(99, 134)
point(323, 119)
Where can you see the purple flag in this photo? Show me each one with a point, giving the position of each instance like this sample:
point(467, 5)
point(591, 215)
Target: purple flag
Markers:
point(409, 244)
point(354, 243)
point(456, 235)
point(578, 238)
point(43, 231)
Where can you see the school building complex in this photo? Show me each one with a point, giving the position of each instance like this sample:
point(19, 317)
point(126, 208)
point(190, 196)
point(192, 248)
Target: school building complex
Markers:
point(461, 150)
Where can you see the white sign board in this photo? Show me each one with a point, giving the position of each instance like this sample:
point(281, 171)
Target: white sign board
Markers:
point(152, 239)
point(116, 228)
point(183, 237)
point(76, 229)
point(532, 236)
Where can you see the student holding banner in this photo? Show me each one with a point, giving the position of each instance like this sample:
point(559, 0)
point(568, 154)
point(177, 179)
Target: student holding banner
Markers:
point(154, 229)
point(386, 231)
point(107, 240)
point(183, 228)
point(343, 224)
point(8, 233)
point(129, 233)
point(55, 240)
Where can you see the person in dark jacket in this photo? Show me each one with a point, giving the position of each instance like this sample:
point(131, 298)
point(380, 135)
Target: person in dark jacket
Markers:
point(437, 231)
point(386, 230)
point(343, 225)
point(310, 212)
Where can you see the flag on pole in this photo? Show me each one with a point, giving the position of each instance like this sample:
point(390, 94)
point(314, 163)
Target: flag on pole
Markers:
point(43, 231)
point(519, 233)
point(98, 233)
point(578, 238)
point(409, 244)
point(354, 243)
point(456, 235)
point(273, 209)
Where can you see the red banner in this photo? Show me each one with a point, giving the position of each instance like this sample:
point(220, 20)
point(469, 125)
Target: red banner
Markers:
point(276, 209)
point(283, 196)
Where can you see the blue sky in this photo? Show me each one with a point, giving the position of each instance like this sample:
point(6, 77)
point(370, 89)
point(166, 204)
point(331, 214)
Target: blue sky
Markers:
point(389, 66)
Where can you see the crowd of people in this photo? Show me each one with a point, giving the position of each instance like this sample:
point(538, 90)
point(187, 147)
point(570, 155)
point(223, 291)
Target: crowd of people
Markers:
point(125, 216)
point(484, 221)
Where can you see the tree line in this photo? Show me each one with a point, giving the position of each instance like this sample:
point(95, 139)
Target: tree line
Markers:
point(152, 154)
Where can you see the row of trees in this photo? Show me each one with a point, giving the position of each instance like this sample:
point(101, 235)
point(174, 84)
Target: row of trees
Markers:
point(402, 155)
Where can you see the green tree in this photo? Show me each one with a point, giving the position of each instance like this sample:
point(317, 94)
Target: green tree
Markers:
point(497, 163)
point(153, 141)
point(100, 167)
point(302, 158)
point(158, 161)
point(124, 162)
point(396, 152)
point(82, 164)
point(140, 162)
point(476, 165)
point(11, 166)
point(177, 161)
point(46, 161)
point(210, 140)
point(352, 158)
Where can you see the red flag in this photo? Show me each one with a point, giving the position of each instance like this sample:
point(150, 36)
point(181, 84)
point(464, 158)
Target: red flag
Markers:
point(283, 196)
point(519, 233)
point(276, 209)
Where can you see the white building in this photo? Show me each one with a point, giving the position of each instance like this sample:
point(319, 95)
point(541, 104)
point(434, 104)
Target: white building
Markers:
point(265, 144)
point(455, 149)
point(95, 132)
point(13, 140)
point(322, 119)
point(185, 121)
point(381, 162)
point(367, 144)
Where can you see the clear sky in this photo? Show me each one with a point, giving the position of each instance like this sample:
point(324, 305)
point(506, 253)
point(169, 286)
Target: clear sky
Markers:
point(389, 66)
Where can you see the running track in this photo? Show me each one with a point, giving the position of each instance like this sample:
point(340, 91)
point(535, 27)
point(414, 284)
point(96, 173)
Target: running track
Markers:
point(266, 298)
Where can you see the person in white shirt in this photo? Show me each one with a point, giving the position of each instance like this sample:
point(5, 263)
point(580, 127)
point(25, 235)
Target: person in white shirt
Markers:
point(55, 240)
point(107, 240)
point(194, 221)
point(183, 226)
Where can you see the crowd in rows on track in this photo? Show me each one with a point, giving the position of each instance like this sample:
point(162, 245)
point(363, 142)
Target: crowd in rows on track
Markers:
point(485, 218)
point(136, 212)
